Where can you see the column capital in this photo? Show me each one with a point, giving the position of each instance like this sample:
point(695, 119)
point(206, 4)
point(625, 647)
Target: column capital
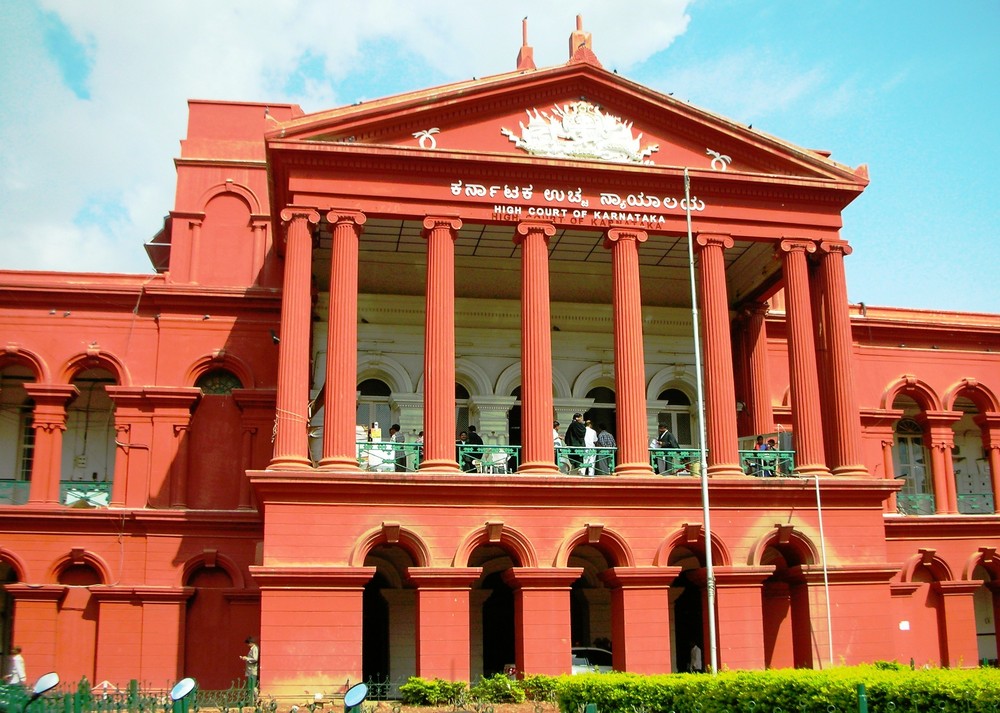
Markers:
point(715, 239)
point(541, 577)
point(531, 226)
point(336, 216)
point(835, 246)
point(292, 212)
point(451, 222)
point(622, 234)
point(51, 394)
point(791, 245)
point(750, 309)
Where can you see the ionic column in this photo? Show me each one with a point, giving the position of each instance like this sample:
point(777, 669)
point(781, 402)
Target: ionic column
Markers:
point(630, 364)
point(340, 411)
point(845, 450)
point(807, 425)
point(537, 452)
point(291, 441)
point(439, 345)
point(720, 387)
point(989, 428)
point(759, 408)
point(49, 423)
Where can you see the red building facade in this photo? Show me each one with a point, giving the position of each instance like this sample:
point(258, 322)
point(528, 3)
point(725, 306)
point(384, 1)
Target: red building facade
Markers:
point(182, 465)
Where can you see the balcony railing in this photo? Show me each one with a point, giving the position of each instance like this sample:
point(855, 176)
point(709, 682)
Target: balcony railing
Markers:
point(578, 460)
point(75, 493)
point(975, 503)
point(675, 461)
point(768, 464)
point(386, 457)
point(477, 458)
point(915, 503)
point(14, 492)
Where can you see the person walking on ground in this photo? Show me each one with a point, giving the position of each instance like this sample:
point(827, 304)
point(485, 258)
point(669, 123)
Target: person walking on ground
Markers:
point(15, 674)
point(251, 663)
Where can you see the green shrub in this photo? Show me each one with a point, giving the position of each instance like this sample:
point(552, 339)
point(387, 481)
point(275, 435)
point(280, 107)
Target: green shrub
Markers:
point(497, 688)
point(540, 688)
point(421, 692)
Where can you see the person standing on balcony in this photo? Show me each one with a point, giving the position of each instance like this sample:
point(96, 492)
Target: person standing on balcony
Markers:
point(396, 436)
point(576, 435)
point(665, 439)
point(590, 441)
point(604, 440)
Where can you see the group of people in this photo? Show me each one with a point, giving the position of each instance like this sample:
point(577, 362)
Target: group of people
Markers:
point(764, 467)
point(583, 434)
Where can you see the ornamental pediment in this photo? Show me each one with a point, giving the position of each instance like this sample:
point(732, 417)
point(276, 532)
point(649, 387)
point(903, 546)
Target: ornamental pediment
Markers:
point(578, 113)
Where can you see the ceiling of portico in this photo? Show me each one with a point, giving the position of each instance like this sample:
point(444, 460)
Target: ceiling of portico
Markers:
point(393, 260)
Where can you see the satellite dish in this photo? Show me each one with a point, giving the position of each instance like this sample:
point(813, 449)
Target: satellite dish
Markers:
point(182, 688)
point(355, 695)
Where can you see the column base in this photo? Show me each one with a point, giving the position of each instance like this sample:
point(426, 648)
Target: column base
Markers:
point(439, 464)
point(850, 471)
point(339, 463)
point(809, 471)
point(725, 470)
point(539, 468)
point(289, 463)
point(631, 469)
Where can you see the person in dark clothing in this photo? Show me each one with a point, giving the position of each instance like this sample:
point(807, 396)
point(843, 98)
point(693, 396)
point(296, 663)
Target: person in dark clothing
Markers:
point(576, 435)
point(665, 439)
point(474, 440)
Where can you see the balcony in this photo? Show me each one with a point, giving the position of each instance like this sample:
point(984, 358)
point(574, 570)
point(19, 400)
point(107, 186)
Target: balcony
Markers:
point(74, 493)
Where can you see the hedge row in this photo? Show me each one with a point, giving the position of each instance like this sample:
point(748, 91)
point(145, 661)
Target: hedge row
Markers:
point(887, 687)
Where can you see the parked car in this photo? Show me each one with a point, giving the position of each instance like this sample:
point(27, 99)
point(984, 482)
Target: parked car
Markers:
point(590, 659)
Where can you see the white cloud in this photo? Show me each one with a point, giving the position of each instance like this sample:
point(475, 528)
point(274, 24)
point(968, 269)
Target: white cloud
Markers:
point(62, 153)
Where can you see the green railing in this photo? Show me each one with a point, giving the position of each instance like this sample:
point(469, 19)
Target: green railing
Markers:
point(14, 492)
point(768, 464)
point(915, 503)
point(81, 698)
point(975, 503)
point(490, 459)
point(579, 460)
point(385, 457)
point(84, 494)
point(675, 461)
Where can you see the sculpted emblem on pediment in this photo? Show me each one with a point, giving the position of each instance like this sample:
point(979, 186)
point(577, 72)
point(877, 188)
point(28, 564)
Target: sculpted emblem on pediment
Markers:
point(580, 130)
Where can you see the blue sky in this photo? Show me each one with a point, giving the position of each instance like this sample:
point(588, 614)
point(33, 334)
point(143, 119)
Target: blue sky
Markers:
point(92, 106)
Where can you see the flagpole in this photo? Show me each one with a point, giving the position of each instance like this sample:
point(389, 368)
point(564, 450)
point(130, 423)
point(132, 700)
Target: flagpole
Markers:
point(713, 653)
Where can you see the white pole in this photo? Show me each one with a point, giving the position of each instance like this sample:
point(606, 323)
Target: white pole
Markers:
point(713, 652)
point(826, 577)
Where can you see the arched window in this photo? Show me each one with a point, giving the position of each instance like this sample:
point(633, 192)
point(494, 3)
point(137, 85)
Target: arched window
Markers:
point(909, 457)
point(17, 435)
point(677, 416)
point(373, 404)
point(88, 452)
point(218, 382)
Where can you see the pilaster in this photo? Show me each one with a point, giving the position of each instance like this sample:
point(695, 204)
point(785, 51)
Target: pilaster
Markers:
point(542, 617)
point(939, 437)
point(49, 424)
point(989, 427)
point(641, 606)
point(442, 625)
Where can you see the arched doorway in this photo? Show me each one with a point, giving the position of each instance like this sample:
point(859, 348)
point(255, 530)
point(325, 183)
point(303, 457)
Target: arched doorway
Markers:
point(76, 623)
point(785, 609)
point(213, 642)
point(388, 628)
point(986, 601)
point(603, 409)
point(590, 600)
point(688, 624)
point(491, 613)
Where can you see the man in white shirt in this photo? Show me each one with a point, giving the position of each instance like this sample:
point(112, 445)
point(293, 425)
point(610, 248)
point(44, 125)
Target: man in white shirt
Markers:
point(15, 667)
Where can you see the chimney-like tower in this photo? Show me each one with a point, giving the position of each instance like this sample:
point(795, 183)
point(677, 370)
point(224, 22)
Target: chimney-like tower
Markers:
point(581, 45)
point(526, 55)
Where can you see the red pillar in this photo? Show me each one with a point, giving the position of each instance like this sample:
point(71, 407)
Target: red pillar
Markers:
point(939, 437)
point(439, 346)
point(300, 606)
point(36, 611)
point(630, 363)
point(759, 408)
point(340, 411)
point(291, 442)
point(961, 647)
point(846, 446)
point(807, 424)
point(442, 626)
point(49, 423)
point(537, 452)
point(541, 618)
point(740, 613)
point(720, 387)
point(640, 606)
